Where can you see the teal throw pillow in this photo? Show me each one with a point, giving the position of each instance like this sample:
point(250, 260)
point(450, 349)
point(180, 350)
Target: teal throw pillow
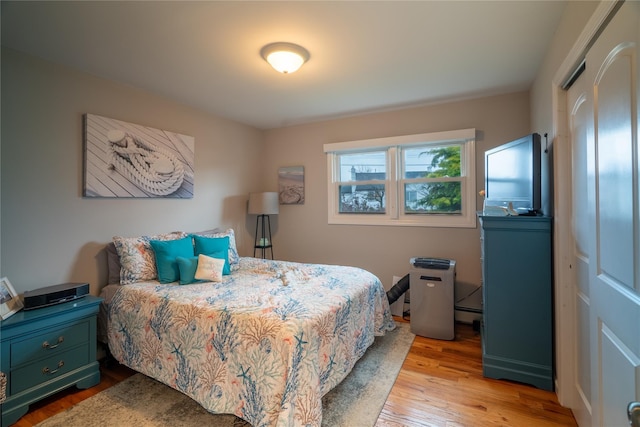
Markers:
point(216, 247)
point(167, 252)
point(187, 267)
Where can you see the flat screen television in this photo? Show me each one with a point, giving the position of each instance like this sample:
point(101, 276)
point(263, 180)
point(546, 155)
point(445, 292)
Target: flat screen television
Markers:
point(513, 175)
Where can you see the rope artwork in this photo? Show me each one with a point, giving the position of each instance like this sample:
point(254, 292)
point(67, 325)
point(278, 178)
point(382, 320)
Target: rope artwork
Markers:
point(151, 168)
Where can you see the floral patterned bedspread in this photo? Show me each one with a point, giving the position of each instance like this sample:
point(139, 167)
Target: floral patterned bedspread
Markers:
point(265, 344)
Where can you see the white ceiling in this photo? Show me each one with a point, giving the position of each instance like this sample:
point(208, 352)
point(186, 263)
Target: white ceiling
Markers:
point(365, 55)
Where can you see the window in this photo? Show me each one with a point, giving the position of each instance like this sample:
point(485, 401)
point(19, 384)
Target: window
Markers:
point(413, 180)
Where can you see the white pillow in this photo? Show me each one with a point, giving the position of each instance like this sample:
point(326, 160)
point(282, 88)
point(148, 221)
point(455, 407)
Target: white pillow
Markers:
point(209, 268)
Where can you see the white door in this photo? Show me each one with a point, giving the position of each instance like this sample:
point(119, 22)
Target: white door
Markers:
point(580, 116)
point(613, 217)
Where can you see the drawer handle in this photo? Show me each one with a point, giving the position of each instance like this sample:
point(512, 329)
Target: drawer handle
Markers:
point(51, 347)
point(47, 371)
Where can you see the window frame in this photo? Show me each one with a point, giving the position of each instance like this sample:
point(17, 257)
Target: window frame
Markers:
point(394, 182)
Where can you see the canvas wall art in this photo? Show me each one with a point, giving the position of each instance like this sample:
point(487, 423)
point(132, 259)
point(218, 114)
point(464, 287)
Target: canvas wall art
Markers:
point(124, 159)
point(291, 185)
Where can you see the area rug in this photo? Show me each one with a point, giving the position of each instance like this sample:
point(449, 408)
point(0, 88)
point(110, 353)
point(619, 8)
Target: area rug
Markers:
point(143, 402)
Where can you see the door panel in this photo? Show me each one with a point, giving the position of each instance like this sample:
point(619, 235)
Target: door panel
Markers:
point(617, 360)
point(615, 163)
point(580, 114)
point(614, 218)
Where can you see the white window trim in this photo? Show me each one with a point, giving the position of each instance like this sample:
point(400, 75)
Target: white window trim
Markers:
point(393, 215)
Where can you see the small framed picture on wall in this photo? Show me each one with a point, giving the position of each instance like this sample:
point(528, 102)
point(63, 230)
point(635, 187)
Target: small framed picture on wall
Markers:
point(10, 302)
point(291, 185)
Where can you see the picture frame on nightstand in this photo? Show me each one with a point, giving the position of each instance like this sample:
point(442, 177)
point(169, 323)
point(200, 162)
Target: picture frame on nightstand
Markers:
point(10, 302)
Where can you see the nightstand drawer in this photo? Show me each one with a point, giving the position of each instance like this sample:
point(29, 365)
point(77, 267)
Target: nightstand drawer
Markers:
point(49, 343)
point(48, 369)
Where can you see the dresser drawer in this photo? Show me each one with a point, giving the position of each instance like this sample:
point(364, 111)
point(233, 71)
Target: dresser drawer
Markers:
point(48, 369)
point(48, 343)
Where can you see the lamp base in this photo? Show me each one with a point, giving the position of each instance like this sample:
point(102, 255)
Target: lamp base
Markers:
point(263, 243)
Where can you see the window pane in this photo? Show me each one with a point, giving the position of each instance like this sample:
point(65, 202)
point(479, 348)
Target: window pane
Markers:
point(432, 162)
point(363, 166)
point(408, 180)
point(362, 198)
point(433, 198)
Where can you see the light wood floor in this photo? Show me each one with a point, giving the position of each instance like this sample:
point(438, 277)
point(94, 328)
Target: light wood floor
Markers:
point(440, 384)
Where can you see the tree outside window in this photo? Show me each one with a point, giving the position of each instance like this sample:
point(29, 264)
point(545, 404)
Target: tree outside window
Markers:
point(440, 194)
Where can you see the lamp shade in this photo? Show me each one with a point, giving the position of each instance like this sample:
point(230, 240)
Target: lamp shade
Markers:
point(285, 57)
point(263, 203)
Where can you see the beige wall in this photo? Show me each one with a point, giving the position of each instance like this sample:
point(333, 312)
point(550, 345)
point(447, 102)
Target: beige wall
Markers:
point(574, 19)
point(302, 232)
point(50, 234)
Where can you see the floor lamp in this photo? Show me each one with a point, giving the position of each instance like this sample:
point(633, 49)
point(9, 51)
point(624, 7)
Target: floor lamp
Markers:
point(263, 205)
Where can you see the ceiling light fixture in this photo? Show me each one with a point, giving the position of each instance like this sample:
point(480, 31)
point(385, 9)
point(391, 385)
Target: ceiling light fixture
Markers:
point(285, 57)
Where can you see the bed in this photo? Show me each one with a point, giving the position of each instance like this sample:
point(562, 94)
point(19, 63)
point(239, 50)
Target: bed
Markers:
point(265, 343)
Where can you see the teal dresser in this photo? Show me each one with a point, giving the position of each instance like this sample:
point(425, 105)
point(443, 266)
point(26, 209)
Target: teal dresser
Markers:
point(517, 322)
point(45, 350)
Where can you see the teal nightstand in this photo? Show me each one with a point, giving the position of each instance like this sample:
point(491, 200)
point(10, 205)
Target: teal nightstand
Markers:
point(46, 350)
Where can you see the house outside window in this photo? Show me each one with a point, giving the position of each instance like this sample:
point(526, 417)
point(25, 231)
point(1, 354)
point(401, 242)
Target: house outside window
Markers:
point(410, 180)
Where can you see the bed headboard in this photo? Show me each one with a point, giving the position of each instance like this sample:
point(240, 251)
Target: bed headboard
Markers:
point(113, 264)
